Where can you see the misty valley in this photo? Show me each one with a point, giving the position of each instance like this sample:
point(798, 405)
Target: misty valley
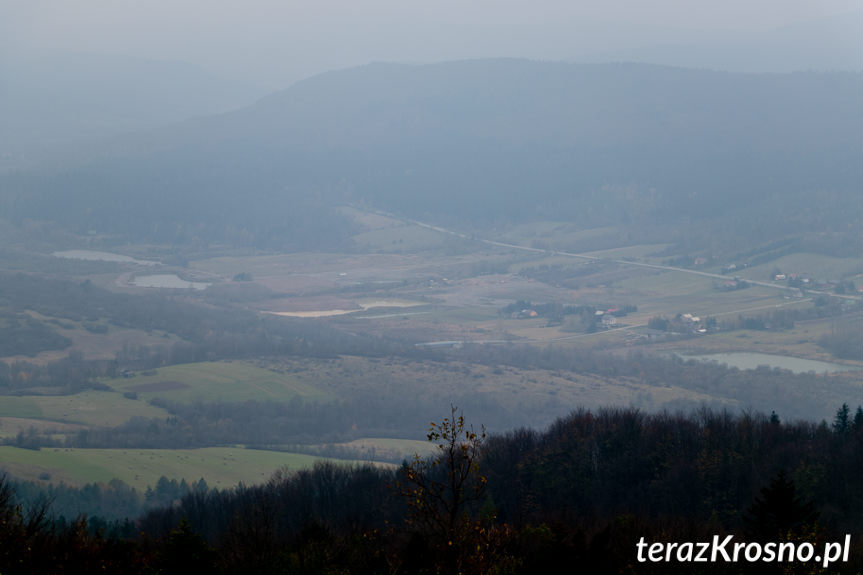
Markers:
point(623, 299)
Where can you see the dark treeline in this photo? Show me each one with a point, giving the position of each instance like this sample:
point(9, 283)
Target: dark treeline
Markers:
point(23, 335)
point(256, 424)
point(67, 375)
point(276, 424)
point(708, 466)
point(110, 506)
point(581, 493)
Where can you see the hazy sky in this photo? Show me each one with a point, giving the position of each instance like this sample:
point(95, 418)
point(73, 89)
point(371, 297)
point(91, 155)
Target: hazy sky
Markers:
point(273, 43)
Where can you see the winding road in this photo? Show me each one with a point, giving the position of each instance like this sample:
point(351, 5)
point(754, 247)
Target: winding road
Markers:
point(464, 236)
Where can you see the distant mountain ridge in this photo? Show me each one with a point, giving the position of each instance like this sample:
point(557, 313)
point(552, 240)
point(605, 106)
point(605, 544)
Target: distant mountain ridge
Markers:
point(490, 139)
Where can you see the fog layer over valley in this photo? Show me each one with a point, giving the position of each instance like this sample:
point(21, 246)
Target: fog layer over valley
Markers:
point(486, 203)
point(592, 279)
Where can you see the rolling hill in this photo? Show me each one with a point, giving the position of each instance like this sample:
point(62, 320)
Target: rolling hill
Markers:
point(478, 142)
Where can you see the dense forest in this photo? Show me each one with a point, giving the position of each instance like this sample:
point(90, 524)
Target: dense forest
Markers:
point(583, 493)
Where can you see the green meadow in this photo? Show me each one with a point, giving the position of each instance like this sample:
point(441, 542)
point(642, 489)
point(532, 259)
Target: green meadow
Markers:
point(92, 408)
point(228, 381)
point(220, 466)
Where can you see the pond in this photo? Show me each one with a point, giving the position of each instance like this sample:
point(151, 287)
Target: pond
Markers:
point(172, 281)
point(751, 360)
point(93, 255)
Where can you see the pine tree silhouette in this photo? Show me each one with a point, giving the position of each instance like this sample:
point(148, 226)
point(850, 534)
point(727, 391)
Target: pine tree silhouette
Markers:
point(779, 511)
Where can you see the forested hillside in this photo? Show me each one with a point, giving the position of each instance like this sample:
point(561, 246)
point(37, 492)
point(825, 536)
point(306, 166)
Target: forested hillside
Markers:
point(581, 493)
point(480, 141)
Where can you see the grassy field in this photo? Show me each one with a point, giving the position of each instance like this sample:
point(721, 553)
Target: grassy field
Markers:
point(266, 265)
point(91, 408)
point(815, 266)
point(677, 292)
point(464, 314)
point(404, 238)
point(558, 235)
point(374, 449)
point(220, 466)
point(640, 252)
point(669, 284)
point(801, 341)
point(229, 381)
point(404, 447)
point(207, 381)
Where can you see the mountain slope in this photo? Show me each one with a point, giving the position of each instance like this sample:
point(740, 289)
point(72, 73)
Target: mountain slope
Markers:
point(485, 140)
